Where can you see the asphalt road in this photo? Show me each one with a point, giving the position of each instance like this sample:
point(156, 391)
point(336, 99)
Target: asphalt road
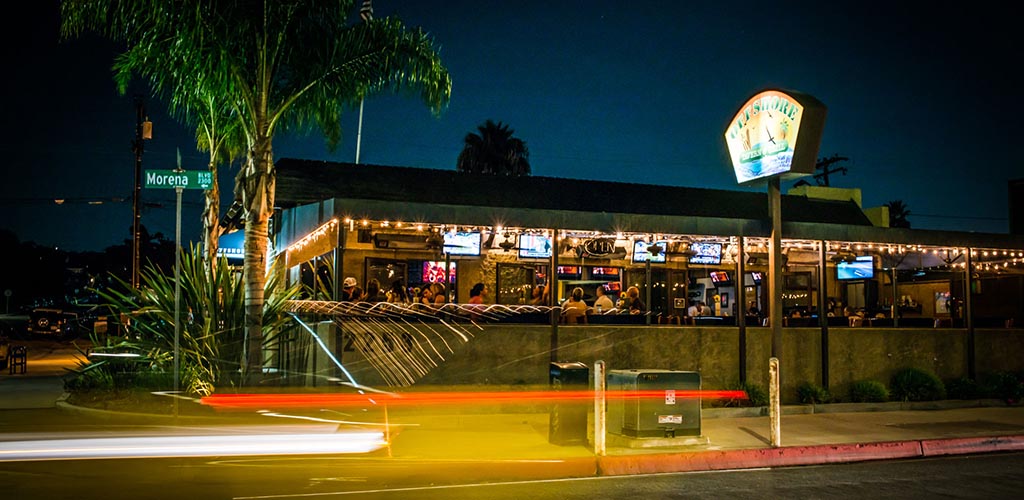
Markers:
point(987, 476)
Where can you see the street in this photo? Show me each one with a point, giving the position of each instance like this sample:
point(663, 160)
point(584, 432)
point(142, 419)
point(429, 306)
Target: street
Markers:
point(987, 476)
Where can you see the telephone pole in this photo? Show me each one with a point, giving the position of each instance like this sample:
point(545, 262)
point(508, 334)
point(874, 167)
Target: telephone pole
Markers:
point(143, 131)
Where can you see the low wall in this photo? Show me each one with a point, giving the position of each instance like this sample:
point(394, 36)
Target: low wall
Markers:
point(520, 354)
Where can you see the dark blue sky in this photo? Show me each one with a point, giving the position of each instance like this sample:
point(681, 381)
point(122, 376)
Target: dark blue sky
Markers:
point(919, 97)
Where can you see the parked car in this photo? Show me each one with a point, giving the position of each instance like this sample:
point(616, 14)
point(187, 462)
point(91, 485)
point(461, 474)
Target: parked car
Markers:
point(51, 322)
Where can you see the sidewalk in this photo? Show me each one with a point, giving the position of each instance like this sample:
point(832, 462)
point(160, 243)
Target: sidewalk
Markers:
point(497, 443)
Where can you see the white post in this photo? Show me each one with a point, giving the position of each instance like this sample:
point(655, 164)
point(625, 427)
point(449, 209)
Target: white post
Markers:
point(359, 131)
point(177, 297)
point(774, 408)
point(600, 416)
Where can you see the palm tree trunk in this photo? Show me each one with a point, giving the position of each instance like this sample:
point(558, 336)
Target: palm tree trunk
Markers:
point(259, 200)
point(211, 220)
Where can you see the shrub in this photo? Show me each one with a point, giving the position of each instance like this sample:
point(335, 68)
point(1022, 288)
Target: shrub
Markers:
point(963, 388)
point(868, 391)
point(1007, 386)
point(756, 395)
point(915, 384)
point(811, 393)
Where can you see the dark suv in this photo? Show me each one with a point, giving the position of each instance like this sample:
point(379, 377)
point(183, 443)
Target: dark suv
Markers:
point(51, 322)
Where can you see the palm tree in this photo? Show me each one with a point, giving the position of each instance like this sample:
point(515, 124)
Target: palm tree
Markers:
point(279, 65)
point(898, 214)
point(494, 151)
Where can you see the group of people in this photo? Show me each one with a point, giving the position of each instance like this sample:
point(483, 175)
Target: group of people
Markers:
point(575, 309)
point(432, 294)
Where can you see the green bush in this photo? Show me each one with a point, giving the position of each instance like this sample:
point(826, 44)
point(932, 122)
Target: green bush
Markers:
point(811, 393)
point(868, 391)
point(915, 384)
point(1007, 386)
point(755, 395)
point(964, 388)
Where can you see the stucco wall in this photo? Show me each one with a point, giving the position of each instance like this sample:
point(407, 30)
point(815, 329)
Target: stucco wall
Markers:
point(519, 354)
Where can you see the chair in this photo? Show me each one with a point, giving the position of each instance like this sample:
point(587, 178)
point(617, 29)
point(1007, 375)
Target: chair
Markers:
point(18, 359)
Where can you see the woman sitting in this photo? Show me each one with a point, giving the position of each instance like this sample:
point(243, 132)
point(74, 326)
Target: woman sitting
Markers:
point(574, 310)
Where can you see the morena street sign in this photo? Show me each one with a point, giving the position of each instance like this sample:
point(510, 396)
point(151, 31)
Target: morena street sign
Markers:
point(170, 179)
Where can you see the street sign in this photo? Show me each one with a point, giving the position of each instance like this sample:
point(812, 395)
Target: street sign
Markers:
point(187, 179)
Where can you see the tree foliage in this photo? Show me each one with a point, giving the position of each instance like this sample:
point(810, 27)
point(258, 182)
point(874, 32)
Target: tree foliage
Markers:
point(898, 213)
point(494, 151)
point(277, 66)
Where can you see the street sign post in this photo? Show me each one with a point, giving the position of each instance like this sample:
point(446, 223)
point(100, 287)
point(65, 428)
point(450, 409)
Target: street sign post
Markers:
point(178, 180)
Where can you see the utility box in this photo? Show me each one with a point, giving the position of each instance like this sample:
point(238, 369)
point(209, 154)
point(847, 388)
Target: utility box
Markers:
point(654, 403)
point(567, 422)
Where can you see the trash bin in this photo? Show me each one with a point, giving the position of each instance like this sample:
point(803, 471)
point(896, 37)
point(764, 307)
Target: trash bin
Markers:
point(567, 423)
point(656, 403)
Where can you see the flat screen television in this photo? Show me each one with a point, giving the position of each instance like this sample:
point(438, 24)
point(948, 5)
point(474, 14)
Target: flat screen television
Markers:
point(462, 243)
point(433, 271)
point(614, 286)
point(640, 253)
point(720, 277)
point(534, 246)
point(757, 277)
point(706, 253)
point(604, 271)
point(568, 271)
point(861, 268)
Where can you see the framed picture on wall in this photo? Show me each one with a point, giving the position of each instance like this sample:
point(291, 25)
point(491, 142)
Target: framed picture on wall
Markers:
point(725, 300)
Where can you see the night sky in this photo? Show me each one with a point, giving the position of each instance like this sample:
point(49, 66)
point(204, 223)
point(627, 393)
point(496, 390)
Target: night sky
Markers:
point(919, 96)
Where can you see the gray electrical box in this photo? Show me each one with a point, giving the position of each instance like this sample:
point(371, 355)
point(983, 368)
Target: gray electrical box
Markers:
point(654, 403)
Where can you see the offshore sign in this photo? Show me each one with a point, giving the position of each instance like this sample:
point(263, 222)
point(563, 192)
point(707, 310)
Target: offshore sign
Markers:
point(775, 133)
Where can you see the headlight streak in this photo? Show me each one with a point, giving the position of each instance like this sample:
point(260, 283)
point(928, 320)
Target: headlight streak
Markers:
point(192, 446)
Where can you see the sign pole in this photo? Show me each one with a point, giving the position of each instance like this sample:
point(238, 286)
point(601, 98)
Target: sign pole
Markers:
point(177, 298)
point(775, 308)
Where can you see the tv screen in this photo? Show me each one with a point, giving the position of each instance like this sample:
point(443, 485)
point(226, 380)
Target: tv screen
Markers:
point(569, 271)
point(433, 271)
point(604, 271)
point(719, 277)
point(640, 253)
point(862, 268)
point(534, 246)
point(757, 277)
point(462, 243)
point(706, 253)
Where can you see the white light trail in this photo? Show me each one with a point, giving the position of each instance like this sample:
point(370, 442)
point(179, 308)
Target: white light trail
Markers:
point(192, 446)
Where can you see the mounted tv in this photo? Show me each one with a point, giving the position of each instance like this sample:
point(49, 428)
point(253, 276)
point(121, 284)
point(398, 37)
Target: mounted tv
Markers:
point(640, 253)
point(433, 272)
point(720, 277)
point(706, 253)
point(604, 271)
point(462, 243)
point(569, 271)
point(860, 269)
point(757, 277)
point(534, 246)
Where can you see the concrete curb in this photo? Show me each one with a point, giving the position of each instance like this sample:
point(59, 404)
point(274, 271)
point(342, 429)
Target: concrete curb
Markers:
point(803, 455)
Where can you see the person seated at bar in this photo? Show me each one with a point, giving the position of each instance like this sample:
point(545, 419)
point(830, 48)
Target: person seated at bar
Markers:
point(539, 296)
point(636, 306)
point(440, 297)
point(347, 288)
point(426, 296)
point(574, 310)
point(373, 292)
point(602, 303)
point(694, 310)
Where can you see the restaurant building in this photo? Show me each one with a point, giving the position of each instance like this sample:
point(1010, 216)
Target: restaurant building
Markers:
point(851, 286)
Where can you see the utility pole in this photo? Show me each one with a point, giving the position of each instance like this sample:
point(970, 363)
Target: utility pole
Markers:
point(825, 164)
point(143, 131)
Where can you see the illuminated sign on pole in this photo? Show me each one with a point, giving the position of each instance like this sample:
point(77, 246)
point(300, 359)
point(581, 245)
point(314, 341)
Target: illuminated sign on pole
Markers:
point(775, 133)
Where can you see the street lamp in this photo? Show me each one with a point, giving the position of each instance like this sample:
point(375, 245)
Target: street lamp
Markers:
point(143, 132)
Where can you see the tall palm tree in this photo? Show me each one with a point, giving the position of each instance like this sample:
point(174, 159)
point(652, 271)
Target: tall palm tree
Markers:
point(898, 214)
point(494, 151)
point(280, 65)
